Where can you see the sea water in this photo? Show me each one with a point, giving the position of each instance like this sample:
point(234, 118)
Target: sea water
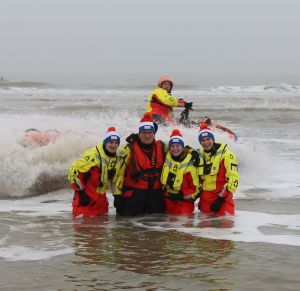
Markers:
point(43, 248)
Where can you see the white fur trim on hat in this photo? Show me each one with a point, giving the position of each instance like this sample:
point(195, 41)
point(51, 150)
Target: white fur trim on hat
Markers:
point(206, 133)
point(147, 125)
point(112, 135)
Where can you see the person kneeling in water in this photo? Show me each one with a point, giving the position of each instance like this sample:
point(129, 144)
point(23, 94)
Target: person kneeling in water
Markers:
point(179, 177)
point(90, 176)
point(218, 173)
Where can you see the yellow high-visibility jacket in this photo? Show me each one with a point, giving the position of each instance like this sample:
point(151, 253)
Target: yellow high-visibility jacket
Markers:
point(95, 157)
point(219, 170)
point(180, 177)
point(162, 103)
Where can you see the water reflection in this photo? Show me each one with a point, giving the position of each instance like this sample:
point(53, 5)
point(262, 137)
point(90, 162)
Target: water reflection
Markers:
point(119, 244)
point(206, 220)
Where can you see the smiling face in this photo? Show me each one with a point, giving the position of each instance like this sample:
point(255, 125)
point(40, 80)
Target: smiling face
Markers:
point(166, 85)
point(207, 143)
point(146, 137)
point(112, 146)
point(176, 149)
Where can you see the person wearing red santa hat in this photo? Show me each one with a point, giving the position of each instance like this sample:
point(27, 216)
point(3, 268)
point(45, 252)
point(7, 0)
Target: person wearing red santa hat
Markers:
point(161, 102)
point(218, 173)
point(138, 189)
point(179, 177)
point(90, 176)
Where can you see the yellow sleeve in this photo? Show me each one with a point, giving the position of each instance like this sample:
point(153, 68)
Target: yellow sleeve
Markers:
point(232, 174)
point(196, 182)
point(164, 97)
point(121, 166)
point(88, 160)
point(165, 147)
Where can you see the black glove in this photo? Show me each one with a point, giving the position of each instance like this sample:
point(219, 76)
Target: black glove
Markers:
point(195, 158)
point(188, 105)
point(117, 201)
point(84, 199)
point(197, 196)
point(217, 204)
point(155, 126)
point(176, 197)
point(133, 137)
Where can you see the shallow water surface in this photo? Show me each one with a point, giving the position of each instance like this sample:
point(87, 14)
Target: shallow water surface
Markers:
point(42, 248)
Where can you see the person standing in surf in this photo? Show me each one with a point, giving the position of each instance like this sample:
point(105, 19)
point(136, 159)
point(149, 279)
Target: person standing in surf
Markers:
point(90, 176)
point(218, 173)
point(161, 102)
point(138, 187)
point(179, 177)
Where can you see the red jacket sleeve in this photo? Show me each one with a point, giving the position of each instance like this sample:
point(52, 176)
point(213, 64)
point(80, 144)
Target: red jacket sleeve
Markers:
point(188, 189)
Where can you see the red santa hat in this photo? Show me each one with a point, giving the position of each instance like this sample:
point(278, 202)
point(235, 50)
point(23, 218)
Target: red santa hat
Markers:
point(111, 134)
point(146, 123)
point(176, 137)
point(205, 131)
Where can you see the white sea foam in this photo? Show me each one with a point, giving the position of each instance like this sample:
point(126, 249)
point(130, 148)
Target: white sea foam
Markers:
point(66, 91)
point(266, 118)
point(248, 227)
point(26, 166)
point(38, 206)
point(21, 253)
point(255, 97)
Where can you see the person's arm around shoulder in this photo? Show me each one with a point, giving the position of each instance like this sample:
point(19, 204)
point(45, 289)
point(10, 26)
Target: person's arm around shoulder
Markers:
point(195, 158)
point(164, 146)
point(123, 156)
point(190, 186)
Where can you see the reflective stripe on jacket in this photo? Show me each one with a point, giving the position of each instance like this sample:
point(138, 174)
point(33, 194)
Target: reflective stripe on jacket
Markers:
point(137, 170)
point(218, 171)
point(180, 177)
point(93, 160)
point(162, 103)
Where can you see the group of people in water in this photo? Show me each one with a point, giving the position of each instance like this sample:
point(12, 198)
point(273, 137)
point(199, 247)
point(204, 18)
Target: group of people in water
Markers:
point(149, 176)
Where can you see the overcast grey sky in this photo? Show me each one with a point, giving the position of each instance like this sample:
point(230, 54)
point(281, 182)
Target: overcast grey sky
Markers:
point(142, 39)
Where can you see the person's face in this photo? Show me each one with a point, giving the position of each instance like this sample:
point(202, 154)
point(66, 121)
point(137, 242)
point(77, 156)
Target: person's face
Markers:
point(146, 137)
point(112, 146)
point(176, 149)
point(207, 143)
point(166, 85)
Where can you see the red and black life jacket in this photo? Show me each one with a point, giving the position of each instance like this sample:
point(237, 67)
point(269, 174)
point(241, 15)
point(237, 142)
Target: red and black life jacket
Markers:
point(143, 172)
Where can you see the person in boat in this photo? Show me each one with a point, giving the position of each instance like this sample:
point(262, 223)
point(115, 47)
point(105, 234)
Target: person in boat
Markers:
point(138, 187)
point(90, 176)
point(218, 173)
point(37, 138)
point(179, 177)
point(161, 102)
